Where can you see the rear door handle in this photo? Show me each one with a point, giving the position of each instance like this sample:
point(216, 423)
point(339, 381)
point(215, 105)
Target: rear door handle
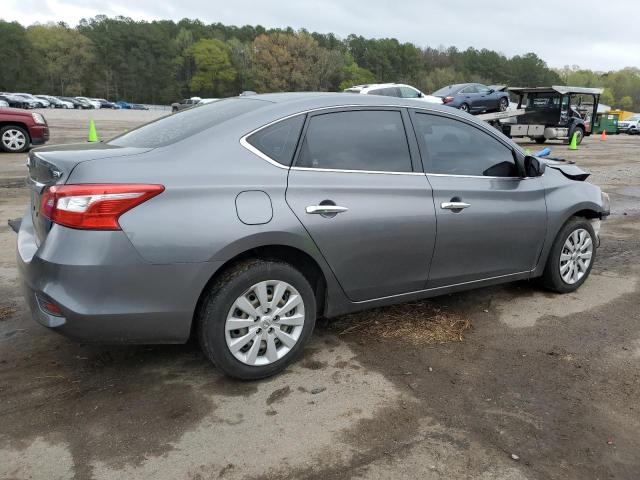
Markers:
point(325, 209)
point(454, 205)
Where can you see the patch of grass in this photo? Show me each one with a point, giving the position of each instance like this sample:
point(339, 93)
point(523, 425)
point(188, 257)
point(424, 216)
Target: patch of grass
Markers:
point(419, 323)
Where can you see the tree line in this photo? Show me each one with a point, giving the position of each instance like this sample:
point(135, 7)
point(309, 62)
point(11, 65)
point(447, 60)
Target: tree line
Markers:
point(158, 62)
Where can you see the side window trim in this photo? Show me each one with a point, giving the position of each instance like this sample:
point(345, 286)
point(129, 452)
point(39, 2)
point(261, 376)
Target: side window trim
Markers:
point(424, 156)
point(407, 129)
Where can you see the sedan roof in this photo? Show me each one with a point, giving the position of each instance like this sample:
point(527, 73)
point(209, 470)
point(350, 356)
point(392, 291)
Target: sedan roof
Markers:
point(305, 100)
point(280, 105)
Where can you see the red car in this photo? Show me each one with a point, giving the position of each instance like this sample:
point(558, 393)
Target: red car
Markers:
point(19, 130)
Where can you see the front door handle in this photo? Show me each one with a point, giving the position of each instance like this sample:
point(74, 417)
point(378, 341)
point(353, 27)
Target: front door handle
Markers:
point(325, 209)
point(454, 205)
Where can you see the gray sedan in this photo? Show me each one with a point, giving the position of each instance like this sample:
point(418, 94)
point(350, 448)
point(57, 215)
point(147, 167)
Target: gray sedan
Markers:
point(246, 219)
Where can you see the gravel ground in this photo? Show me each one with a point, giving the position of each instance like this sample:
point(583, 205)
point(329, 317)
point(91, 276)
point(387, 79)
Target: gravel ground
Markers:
point(542, 387)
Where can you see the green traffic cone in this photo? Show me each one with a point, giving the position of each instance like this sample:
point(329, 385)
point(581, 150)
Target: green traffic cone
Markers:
point(574, 142)
point(93, 135)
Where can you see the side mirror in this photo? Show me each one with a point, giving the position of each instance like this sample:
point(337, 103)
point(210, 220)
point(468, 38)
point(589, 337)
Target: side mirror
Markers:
point(533, 167)
point(491, 90)
point(420, 94)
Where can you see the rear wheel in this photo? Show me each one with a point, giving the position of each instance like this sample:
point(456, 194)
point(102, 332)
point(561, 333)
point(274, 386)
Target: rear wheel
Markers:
point(256, 318)
point(571, 257)
point(14, 139)
point(540, 140)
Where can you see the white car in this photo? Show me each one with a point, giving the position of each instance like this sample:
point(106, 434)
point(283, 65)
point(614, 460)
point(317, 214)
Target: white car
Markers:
point(630, 125)
point(204, 101)
point(91, 101)
point(393, 90)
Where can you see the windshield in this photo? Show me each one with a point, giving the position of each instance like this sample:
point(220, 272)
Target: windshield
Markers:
point(634, 118)
point(178, 126)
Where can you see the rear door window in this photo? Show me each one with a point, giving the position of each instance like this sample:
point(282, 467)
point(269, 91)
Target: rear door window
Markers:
point(184, 124)
point(452, 147)
point(372, 140)
point(408, 92)
point(386, 92)
point(278, 141)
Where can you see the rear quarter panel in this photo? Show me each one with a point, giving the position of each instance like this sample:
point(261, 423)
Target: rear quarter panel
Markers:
point(195, 218)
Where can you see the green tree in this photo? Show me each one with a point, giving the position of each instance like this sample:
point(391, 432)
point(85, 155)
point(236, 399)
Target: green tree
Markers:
point(183, 61)
point(239, 52)
point(65, 54)
point(625, 103)
point(607, 97)
point(354, 75)
point(160, 61)
point(18, 68)
point(214, 75)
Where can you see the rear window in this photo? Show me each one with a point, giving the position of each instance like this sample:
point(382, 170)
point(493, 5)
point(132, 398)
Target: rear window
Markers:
point(176, 127)
point(444, 91)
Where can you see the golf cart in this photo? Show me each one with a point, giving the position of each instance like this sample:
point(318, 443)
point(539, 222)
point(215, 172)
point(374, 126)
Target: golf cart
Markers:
point(555, 112)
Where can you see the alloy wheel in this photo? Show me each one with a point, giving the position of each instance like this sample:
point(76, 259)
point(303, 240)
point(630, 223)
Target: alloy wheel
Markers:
point(13, 139)
point(264, 323)
point(575, 256)
point(464, 107)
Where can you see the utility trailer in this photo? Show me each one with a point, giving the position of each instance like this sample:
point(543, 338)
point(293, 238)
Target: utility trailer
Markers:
point(549, 113)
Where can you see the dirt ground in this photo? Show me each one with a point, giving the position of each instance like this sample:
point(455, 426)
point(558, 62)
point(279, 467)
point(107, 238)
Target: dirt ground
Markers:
point(542, 387)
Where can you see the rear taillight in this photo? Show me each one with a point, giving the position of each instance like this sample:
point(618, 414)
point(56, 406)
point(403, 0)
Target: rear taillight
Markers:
point(93, 206)
point(447, 99)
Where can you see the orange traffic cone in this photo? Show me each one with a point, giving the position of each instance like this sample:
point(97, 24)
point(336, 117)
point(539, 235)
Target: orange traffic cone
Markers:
point(603, 137)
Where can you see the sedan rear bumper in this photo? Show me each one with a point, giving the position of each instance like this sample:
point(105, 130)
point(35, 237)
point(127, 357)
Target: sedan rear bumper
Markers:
point(105, 292)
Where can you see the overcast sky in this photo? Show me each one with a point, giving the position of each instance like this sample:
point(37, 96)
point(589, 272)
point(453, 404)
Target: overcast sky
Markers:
point(600, 35)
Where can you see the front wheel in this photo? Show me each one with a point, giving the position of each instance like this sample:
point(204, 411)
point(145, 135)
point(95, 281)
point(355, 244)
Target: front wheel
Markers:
point(464, 107)
point(256, 319)
point(503, 104)
point(14, 139)
point(571, 257)
point(540, 140)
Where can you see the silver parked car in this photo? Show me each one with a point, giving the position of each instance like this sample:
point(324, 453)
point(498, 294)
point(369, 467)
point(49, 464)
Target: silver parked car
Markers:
point(245, 219)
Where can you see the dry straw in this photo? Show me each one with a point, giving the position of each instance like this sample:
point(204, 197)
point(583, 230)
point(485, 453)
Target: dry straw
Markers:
point(420, 323)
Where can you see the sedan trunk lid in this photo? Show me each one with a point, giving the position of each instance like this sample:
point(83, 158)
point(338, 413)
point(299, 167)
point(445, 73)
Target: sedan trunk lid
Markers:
point(52, 166)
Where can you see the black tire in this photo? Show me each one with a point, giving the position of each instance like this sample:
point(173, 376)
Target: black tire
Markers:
point(464, 107)
point(16, 128)
point(580, 131)
point(540, 140)
point(220, 298)
point(503, 104)
point(551, 278)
